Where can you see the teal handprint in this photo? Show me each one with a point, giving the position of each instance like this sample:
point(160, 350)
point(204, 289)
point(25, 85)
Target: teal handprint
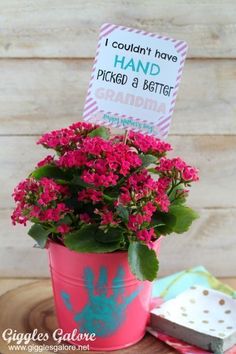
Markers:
point(102, 314)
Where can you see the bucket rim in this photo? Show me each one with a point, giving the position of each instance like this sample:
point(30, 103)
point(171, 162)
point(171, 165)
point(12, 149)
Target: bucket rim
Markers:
point(117, 252)
point(51, 242)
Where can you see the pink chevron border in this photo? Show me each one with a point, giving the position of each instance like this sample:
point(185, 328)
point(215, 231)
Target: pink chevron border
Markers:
point(91, 106)
point(106, 29)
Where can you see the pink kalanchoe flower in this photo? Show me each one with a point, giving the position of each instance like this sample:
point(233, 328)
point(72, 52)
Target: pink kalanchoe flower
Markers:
point(125, 196)
point(35, 212)
point(135, 222)
point(99, 165)
point(83, 128)
point(85, 218)
point(63, 229)
point(163, 184)
point(54, 214)
point(46, 161)
point(109, 167)
point(163, 201)
point(108, 218)
point(48, 195)
point(104, 180)
point(18, 217)
point(96, 146)
point(50, 191)
point(66, 138)
point(139, 180)
point(21, 190)
point(166, 165)
point(74, 158)
point(169, 166)
point(58, 138)
point(148, 144)
point(190, 174)
point(146, 236)
point(123, 166)
point(149, 209)
point(178, 163)
point(90, 194)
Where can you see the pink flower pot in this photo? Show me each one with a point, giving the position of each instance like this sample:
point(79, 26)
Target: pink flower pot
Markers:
point(97, 293)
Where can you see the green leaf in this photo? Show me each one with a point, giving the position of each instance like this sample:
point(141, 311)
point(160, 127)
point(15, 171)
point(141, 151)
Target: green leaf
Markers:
point(101, 131)
point(184, 217)
point(39, 234)
point(108, 198)
point(84, 241)
point(164, 223)
point(111, 193)
point(147, 159)
point(123, 212)
point(113, 234)
point(77, 180)
point(143, 261)
point(50, 172)
point(66, 220)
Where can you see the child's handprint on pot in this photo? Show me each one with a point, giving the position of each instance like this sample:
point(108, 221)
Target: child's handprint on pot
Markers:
point(103, 313)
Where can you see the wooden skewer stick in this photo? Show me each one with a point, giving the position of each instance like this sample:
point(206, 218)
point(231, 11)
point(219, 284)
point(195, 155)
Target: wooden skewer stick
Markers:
point(126, 136)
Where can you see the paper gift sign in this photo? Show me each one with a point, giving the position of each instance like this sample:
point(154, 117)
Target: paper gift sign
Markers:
point(135, 79)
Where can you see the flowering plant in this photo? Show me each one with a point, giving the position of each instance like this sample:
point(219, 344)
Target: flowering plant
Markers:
point(99, 193)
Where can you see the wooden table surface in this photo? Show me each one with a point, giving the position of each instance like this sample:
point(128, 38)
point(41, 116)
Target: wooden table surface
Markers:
point(21, 301)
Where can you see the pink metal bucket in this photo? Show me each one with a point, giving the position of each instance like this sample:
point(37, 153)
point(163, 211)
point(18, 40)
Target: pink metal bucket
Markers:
point(97, 293)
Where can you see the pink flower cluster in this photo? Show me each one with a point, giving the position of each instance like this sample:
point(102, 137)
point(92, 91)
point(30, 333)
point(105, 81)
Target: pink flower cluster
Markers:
point(102, 178)
point(90, 194)
point(148, 144)
point(101, 161)
point(66, 138)
point(108, 217)
point(41, 200)
point(63, 229)
point(147, 236)
point(46, 161)
point(142, 186)
point(177, 166)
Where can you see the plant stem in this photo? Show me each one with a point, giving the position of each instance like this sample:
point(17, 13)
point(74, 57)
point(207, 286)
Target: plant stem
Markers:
point(174, 186)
